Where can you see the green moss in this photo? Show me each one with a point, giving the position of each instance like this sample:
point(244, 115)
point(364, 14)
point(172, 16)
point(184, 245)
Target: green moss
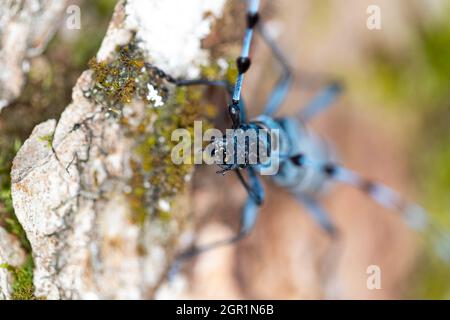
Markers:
point(47, 92)
point(156, 176)
point(22, 285)
point(214, 71)
point(7, 217)
point(23, 276)
point(47, 139)
point(126, 78)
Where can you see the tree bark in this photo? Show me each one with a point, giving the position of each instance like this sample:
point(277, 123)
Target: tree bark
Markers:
point(97, 227)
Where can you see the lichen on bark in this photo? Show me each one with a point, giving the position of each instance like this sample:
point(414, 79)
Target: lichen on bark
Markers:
point(103, 206)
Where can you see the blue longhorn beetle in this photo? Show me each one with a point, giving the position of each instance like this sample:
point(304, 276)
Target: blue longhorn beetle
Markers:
point(306, 163)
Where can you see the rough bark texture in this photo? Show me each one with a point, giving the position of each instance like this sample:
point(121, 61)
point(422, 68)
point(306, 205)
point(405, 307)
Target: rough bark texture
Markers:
point(26, 26)
point(74, 180)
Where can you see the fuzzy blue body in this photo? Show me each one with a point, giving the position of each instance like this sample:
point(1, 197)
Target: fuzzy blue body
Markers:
point(305, 163)
point(295, 138)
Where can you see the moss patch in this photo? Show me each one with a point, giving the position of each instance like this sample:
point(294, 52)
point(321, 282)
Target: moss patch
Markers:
point(127, 77)
point(22, 285)
point(48, 90)
point(156, 179)
point(48, 139)
point(7, 217)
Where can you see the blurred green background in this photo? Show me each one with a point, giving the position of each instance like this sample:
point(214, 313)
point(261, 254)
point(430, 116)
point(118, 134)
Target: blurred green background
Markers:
point(419, 83)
